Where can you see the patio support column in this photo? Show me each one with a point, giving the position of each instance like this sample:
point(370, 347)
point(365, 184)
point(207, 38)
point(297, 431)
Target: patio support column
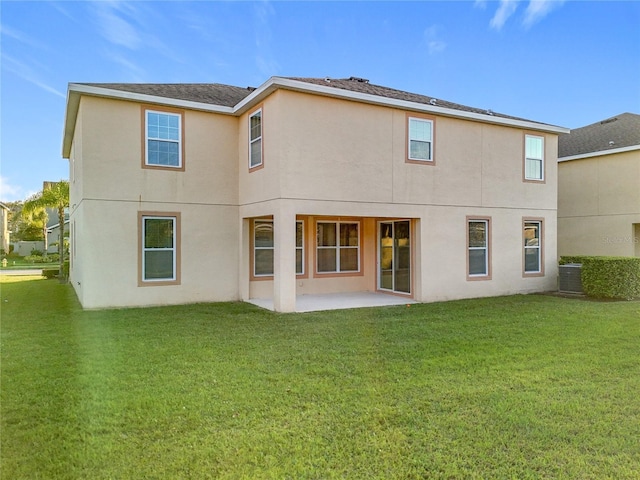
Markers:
point(243, 261)
point(284, 261)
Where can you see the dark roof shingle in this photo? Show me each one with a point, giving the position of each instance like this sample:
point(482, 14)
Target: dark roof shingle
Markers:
point(361, 85)
point(616, 132)
point(211, 93)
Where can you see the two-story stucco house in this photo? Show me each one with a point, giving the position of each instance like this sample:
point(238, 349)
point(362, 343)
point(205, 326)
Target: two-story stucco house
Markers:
point(303, 186)
point(599, 188)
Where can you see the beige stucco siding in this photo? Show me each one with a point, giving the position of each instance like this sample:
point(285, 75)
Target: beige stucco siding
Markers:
point(599, 205)
point(108, 275)
point(112, 135)
point(109, 187)
point(330, 149)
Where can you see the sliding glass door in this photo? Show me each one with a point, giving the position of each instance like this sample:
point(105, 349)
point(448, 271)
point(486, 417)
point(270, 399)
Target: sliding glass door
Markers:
point(394, 262)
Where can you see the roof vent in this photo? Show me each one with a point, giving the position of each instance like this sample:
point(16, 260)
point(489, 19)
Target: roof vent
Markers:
point(251, 89)
point(433, 101)
point(609, 120)
point(328, 80)
point(489, 112)
point(358, 79)
point(612, 143)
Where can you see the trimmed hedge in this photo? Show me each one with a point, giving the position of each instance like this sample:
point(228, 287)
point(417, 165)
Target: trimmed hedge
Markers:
point(49, 273)
point(608, 277)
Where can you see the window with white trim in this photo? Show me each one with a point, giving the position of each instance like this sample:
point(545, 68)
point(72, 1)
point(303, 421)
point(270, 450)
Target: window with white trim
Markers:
point(338, 247)
point(533, 158)
point(299, 247)
point(163, 137)
point(255, 139)
point(478, 247)
point(263, 248)
point(420, 139)
point(159, 248)
point(532, 236)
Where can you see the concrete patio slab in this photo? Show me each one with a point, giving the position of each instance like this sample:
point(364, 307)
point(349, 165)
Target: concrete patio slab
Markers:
point(337, 301)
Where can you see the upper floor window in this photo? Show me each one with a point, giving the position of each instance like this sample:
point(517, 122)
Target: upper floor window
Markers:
point(255, 139)
point(420, 139)
point(533, 158)
point(163, 139)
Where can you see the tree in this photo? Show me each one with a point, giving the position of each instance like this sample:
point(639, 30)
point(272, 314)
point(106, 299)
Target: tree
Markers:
point(54, 195)
point(25, 227)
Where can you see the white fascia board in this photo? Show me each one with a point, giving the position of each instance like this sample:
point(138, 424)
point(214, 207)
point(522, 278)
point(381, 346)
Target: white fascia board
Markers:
point(600, 153)
point(144, 98)
point(279, 82)
point(70, 117)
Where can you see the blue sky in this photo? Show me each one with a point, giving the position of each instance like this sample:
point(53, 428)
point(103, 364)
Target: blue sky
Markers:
point(568, 63)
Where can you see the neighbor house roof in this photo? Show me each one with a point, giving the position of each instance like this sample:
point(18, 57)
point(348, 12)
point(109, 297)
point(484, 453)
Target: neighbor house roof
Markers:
point(613, 135)
point(231, 100)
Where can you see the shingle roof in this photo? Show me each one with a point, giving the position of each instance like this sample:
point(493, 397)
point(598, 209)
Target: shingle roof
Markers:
point(361, 85)
point(211, 93)
point(230, 96)
point(613, 133)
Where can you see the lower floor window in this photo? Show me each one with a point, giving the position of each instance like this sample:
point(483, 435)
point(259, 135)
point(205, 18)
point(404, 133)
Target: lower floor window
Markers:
point(263, 248)
point(159, 252)
point(532, 246)
point(478, 247)
point(338, 247)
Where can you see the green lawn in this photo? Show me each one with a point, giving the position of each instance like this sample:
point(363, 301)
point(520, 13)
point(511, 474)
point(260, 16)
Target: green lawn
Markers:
point(512, 387)
point(19, 263)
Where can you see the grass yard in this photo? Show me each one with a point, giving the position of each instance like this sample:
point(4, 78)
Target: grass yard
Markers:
point(512, 387)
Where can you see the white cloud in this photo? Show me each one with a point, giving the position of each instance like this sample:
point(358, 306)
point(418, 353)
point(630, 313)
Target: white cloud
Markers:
point(265, 58)
point(23, 38)
point(505, 10)
point(538, 9)
point(8, 192)
point(25, 72)
point(114, 28)
point(433, 38)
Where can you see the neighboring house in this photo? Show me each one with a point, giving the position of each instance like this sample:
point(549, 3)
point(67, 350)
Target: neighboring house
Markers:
point(53, 236)
point(4, 229)
point(599, 188)
point(207, 192)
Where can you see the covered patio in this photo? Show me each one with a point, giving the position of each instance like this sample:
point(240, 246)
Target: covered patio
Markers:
point(338, 301)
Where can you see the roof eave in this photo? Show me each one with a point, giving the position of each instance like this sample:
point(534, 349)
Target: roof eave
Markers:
point(76, 90)
point(599, 153)
point(279, 82)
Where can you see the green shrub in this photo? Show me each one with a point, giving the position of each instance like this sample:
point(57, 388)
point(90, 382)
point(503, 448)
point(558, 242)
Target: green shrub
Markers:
point(608, 277)
point(34, 259)
point(49, 273)
point(36, 253)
